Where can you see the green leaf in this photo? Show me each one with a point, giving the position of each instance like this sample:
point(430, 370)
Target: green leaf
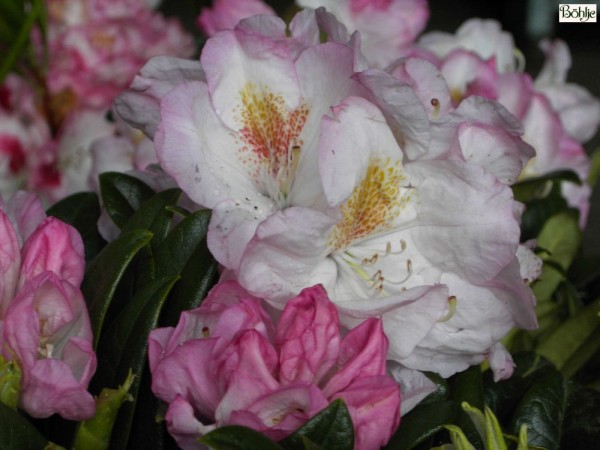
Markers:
point(155, 214)
point(571, 335)
point(330, 428)
point(16, 47)
point(467, 386)
point(538, 211)
point(122, 195)
point(105, 272)
point(82, 211)
point(561, 238)
point(542, 409)
point(420, 424)
point(16, 433)
point(581, 429)
point(594, 173)
point(234, 437)
point(503, 396)
point(539, 187)
point(184, 251)
point(175, 251)
point(126, 347)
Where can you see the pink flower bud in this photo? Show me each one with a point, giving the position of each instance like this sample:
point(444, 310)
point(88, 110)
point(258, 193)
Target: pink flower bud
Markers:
point(47, 330)
point(308, 336)
point(54, 246)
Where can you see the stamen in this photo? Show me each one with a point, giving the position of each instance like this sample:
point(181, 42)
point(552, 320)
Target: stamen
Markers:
point(452, 305)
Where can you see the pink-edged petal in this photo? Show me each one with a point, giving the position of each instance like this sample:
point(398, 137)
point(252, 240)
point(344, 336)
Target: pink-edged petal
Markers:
point(10, 262)
point(56, 247)
point(414, 385)
point(235, 60)
point(514, 92)
point(428, 83)
point(279, 413)
point(408, 317)
point(184, 426)
point(286, 254)
point(246, 370)
point(324, 73)
point(197, 149)
point(225, 14)
point(26, 211)
point(477, 202)
point(308, 337)
point(374, 405)
point(51, 388)
point(501, 362)
point(233, 225)
point(188, 371)
point(402, 108)
point(557, 63)
point(493, 148)
point(363, 353)
point(140, 104)
point(467, 74)
point(349, 141)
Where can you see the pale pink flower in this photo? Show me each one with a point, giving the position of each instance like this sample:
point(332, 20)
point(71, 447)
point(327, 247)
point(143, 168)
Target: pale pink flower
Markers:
point(557, 116)
point(363, 185)
point(98, 59)
point(47, 331)
point(578, 109)
point(23, 132)
point(44, 324)
point(220, 366)
point(387, 28)
point(225, 14)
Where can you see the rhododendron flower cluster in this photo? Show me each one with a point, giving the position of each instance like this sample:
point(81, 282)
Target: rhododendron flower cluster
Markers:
point(318, 171)
point(226, 363)
point(44, 326)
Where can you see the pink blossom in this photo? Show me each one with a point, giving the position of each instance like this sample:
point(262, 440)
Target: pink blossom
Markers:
point(387, 28)
point(557, 116)
point(44, 324)
point(225, 14)
point(218, 367)
point(47, 330)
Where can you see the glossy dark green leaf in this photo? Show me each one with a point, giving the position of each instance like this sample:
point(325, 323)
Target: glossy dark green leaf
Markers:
point(154, 215)
point(581, 428)
point(104, 273)
point(538, 212)
point(235, 437)
point(542, 409)
point(503, 396)
point(16, 433)
point(184, 251)
point(175, 251)
point(467, 386)
point(330, 428)
point(421, 424)
point(122, 195)
point(127, 347)
point(82, 211)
